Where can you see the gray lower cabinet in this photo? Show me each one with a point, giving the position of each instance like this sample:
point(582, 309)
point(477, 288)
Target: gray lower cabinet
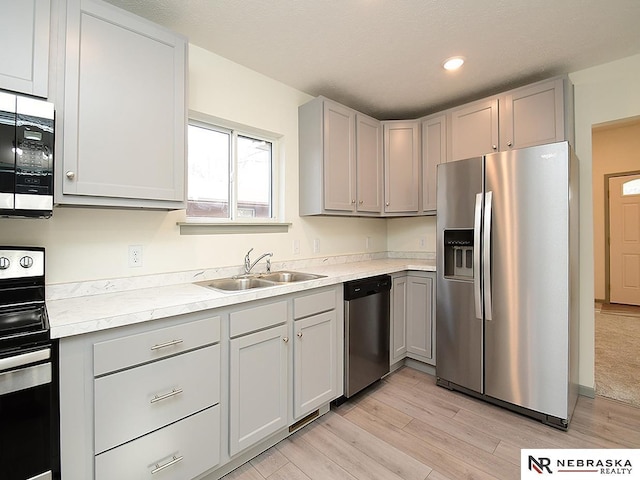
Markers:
point(398, 331)
point(315, 363)
point(413, 317)
point(258, 377)
point(136, 401)
point(198, 394)
point(420, 310)
point(182, 450)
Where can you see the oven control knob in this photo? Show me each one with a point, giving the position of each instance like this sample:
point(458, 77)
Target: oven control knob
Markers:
point(26, 262)
point(4, 263)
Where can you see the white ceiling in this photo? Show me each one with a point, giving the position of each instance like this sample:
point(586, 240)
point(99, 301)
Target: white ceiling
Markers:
point(383, 57)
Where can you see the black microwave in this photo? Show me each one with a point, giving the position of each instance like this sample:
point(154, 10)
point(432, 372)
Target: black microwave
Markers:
point(26, 156)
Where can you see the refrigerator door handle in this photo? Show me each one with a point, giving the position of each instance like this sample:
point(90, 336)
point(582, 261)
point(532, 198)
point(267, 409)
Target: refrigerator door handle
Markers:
point(486, 255)
point(477, 294)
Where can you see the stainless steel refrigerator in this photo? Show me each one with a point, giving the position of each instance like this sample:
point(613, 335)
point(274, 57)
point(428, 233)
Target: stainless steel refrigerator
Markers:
point(507, 279)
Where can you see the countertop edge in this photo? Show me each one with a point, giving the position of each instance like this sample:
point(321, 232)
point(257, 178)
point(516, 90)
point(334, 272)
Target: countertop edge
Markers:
point(82, 315)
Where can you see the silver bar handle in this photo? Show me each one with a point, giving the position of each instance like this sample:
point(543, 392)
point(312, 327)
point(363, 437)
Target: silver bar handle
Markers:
point(172, 393)
point(173, 461)
point(166, 344)
point(477, 225)
point(488, 199)
point(25, 359)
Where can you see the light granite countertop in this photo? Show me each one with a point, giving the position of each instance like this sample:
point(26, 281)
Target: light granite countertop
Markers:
point(75, 315)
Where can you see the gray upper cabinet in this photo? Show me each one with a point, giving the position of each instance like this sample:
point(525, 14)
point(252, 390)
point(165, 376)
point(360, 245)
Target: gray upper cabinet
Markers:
point(340, 160)
point(369, 171)
point(24, 46)
point(326, 132)
point(434, 152)
point(401, 167)
point(533, 115)
point(340, 171)
point(474, 129)
point(124, 110)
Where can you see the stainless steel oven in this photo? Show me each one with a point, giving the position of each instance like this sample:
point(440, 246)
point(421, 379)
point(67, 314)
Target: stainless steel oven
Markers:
point(29, 418)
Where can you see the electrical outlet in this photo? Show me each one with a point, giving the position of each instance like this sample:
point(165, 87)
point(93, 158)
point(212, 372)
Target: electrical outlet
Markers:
point(369, 243)
point(422, 241)
point(316, 245)
point(296, 247)
point(135, 255)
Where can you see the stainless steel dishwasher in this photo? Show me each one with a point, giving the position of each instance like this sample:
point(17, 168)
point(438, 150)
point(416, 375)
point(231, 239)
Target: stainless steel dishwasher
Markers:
point(366, 315)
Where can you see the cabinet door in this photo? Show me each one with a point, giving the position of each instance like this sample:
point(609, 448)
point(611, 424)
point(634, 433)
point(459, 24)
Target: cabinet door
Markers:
point(339, 157)
point(532, 116)
point(398, 319)
point(434, 152)
point(124, 109)
point(258, 387)
point(420, 305)
point(474, 129)
point(368, 164)
point(24, 46)
point(314, 364)
point(401, 166)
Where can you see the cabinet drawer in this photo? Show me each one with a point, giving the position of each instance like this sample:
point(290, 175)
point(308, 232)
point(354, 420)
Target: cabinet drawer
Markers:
point(145, 347)
point(314, 303)
point(134, 402)
point(257, 318)
point(186, 449)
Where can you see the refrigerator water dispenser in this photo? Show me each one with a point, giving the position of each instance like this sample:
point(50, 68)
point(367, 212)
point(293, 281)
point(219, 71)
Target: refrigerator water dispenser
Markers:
point(458, 254)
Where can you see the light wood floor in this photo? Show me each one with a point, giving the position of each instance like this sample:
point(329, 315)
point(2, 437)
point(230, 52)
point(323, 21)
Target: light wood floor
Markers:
point(407, 428)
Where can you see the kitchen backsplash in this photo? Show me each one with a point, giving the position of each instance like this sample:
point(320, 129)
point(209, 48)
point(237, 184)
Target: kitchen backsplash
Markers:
point(98, 287)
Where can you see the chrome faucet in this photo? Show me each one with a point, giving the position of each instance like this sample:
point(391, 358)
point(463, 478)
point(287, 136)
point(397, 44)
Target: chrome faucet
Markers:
point(248, 265)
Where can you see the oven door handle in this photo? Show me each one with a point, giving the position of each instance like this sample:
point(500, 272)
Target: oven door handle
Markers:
point(24, 359)
point(23, 378)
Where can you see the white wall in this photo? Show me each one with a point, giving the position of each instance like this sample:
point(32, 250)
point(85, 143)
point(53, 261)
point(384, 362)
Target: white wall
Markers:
point(409, 234)
point(88, 244)
point(602, 94)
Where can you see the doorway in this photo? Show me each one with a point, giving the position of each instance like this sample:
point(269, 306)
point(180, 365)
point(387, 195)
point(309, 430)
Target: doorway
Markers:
point(622, 250)
point(617, 318)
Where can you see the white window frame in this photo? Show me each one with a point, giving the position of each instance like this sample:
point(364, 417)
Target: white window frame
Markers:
point(235, 129)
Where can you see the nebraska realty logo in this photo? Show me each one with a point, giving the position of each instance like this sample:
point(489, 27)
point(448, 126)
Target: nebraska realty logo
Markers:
point(579, 464)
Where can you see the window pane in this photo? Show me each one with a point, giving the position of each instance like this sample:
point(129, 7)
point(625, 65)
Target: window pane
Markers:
point(254, 177)
point(208, 173)
point(632, 187)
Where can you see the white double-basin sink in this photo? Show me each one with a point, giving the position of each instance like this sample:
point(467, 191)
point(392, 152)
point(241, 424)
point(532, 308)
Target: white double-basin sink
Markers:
point(261, 280)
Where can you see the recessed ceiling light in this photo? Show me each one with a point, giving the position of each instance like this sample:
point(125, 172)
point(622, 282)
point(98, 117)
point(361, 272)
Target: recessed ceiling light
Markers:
point(453, 63)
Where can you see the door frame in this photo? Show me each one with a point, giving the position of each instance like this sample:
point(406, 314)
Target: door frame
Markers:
point(607, 226)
